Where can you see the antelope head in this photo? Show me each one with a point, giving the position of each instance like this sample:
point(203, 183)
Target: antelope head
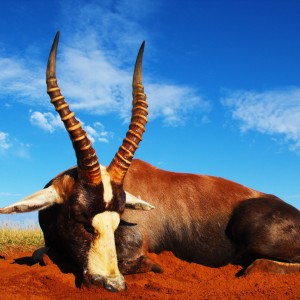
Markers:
point(81, 207)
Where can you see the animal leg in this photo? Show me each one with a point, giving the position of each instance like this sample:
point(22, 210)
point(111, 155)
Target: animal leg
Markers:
point(266, 232)
point(142, 264)
point(272, 266)
point(131, 252)
point(39, 255)
point(47, 256)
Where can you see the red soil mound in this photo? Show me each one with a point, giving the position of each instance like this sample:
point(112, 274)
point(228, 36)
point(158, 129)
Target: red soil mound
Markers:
point(180, 280)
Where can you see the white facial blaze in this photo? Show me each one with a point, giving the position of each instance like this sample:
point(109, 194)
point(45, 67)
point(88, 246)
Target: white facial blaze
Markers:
point(108, 194)
point(102, 256)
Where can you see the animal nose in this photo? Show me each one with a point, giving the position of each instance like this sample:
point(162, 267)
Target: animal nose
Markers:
point(112, 284)
point(111, 288)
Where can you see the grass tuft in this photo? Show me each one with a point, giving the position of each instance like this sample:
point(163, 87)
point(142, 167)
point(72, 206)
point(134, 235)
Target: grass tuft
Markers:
point(25, 238)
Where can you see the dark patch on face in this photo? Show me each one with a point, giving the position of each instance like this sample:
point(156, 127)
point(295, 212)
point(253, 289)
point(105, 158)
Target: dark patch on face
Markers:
point(76, 239)
point(88, 201)
point(117, 203)
point(68, 227)
point(76, 218)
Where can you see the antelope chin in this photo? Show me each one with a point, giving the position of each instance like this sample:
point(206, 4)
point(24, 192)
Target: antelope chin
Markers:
point(112, 284)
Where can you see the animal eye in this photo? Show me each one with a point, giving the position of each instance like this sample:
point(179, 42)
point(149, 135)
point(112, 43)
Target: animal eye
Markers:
point(89, 228)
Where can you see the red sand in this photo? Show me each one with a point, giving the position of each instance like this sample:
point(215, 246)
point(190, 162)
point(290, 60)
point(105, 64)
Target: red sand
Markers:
point(180, 280)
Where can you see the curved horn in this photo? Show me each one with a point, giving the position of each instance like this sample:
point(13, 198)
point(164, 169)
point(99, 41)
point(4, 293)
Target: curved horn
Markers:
point(87, 161)
point(122, 160)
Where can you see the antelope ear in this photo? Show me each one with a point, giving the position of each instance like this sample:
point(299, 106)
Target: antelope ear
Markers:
point(37, 201)
point(133, 202)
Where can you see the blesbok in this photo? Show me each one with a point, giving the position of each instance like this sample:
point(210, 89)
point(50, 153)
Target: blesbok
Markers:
point(203, 219)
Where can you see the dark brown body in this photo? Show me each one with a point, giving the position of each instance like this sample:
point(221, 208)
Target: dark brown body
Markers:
point(199, 219)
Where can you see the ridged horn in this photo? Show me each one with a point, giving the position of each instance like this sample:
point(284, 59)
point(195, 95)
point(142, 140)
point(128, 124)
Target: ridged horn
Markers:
point(87, 160)
point(122, 160)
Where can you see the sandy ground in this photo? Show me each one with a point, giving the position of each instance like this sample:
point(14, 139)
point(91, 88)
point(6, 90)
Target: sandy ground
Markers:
point(180, 280)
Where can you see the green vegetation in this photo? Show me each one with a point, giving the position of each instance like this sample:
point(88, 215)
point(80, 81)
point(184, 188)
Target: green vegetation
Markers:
point(25, 238)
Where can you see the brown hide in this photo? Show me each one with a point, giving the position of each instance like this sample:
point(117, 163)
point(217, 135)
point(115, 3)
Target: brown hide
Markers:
point(191, 212)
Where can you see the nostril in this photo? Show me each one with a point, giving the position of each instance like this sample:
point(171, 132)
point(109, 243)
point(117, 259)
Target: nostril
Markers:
point(110, 288)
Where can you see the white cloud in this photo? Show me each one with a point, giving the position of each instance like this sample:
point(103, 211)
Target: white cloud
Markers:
point(105, 88)
point(175, 103)
point(95, 61)
point(22, 80)
point(98, 133)
point(118, 27)
point(49, 122)
point(46, 121)
point(13, 146)
point(275, 112)
point(4, 141)
point(102, 87)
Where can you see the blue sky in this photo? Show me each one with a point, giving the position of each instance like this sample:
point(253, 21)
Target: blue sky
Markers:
point(222, 79)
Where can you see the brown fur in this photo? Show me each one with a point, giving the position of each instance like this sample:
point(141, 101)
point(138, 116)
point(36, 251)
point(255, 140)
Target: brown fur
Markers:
point(191, 213)
point(198, 217)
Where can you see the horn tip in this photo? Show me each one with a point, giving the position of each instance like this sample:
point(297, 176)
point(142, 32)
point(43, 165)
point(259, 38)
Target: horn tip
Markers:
point(137, 75)
point(141, 51)
point(56, 39)
point(57, 35)
point(50, 72)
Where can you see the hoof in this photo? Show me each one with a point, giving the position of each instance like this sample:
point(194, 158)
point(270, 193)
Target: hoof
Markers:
point(273, 267)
